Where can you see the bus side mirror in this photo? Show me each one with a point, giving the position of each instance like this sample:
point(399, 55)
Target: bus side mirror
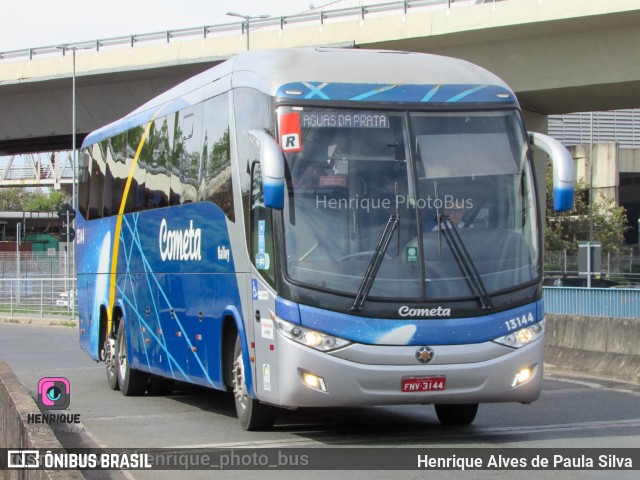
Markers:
point(564, 170)
point(272, 168)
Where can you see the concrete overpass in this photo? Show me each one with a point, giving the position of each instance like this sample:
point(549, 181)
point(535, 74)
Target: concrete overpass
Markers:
point(558, 55)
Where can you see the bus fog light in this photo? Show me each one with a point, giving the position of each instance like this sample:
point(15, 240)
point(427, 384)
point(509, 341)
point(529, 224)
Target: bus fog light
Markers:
point(314, 381)
point(522, 376)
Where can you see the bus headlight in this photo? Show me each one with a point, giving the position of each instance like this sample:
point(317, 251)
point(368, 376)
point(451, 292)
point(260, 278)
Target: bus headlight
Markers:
point(310, 338)
point(522, 337)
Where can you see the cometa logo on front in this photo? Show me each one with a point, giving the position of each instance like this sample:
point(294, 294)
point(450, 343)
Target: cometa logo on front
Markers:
point(406, 311)
point(179, 244)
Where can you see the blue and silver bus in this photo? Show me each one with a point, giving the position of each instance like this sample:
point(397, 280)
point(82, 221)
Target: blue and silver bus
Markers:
point(320, 228)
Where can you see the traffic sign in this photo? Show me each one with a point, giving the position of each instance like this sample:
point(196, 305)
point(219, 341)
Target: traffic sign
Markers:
point(68, 236)
point(66, 210)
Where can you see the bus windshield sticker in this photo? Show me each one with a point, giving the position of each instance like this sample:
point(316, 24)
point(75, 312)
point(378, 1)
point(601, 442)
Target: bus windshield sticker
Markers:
point(261, 236)
point(266, 376)
point(290, 138)
point(267, 328)
point(263, 261)
point(412, 254)
point(333, 181)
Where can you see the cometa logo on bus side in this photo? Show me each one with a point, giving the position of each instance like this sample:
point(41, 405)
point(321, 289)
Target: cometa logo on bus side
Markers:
point(179, 244)
point(406, 311)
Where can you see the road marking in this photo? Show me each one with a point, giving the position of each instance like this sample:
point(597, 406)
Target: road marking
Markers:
point(340, 439)
point(622, 388)
point(294, 442)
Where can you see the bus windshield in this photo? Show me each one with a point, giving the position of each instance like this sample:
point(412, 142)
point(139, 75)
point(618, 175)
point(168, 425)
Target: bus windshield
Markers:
point(457, 186)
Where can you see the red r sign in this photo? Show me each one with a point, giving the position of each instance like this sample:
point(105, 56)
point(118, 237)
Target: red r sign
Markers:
point(290, 138)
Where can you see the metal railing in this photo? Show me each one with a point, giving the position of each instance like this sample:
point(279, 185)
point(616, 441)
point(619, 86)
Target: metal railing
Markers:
point(593, 302)
point(622, 267)
point(318, 17)
point(38, 297)
point(44, 169)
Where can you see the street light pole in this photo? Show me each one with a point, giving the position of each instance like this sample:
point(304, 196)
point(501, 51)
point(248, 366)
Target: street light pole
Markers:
point(74, 153)
point(18, 260)
point(247, 19)
point(74, 149)
point(74, 162)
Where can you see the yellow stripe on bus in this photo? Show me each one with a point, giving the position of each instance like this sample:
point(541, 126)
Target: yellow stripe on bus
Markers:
point(116, 237)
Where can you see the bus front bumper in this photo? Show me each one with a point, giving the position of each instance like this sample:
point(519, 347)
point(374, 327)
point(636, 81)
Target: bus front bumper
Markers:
point(480, 373)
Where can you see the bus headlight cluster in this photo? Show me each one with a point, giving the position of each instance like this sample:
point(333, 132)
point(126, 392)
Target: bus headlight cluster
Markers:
point(310, 338)
point(522, 337)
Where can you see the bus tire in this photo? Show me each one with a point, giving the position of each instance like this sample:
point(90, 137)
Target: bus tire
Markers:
point(456, 414)
point(132, 382)
point(112, 364)
point(252, 414)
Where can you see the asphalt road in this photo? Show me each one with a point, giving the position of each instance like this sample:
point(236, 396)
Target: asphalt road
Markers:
point(572, 412)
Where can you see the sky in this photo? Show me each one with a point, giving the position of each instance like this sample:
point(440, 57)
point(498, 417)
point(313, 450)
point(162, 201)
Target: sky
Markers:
point(39, 23)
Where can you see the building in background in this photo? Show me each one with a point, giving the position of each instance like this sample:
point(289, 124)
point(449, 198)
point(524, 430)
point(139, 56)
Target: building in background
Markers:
point(613, 140)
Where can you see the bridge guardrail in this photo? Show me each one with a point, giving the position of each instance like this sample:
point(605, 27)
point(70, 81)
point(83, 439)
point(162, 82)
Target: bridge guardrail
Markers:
point(203, 32)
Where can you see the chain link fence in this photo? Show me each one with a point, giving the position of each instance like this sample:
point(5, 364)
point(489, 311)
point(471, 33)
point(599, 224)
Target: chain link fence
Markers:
point(38, 284)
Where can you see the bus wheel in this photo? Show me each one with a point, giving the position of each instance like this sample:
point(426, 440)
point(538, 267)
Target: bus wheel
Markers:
point(252, 414)
point(456, 415)
point(132, 382)
point(111, 362)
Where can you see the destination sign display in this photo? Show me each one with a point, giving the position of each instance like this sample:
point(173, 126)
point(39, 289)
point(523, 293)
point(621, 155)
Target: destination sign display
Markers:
point(342, 119)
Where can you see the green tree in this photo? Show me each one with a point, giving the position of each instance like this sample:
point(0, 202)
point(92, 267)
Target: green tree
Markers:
point(12, 199)
point(564, 230)
point(30, 200)
point(50, 201)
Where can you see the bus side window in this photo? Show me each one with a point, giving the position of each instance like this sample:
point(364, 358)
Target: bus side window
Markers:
point(96, 181)
point(216, 185)
point(262, 252)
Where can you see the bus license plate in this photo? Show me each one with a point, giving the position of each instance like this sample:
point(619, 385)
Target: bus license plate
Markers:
point(423, 384)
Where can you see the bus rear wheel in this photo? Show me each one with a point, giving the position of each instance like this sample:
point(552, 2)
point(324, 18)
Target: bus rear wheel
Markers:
point(132, 382)
point(456, 414)
point(111, 362)
point(252, 414)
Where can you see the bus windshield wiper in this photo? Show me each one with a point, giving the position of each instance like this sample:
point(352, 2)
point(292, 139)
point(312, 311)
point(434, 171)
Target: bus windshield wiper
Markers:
point(374, 264)
point(464, 260)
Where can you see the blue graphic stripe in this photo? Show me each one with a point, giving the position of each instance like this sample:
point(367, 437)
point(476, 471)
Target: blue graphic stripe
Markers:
point(357, 92)
point(313, 91)
point(129, 277)
point(149, 272)
point(136, 242)
point(150, 330)
point(373, 92)
point(173, 286)
point(430, 94)
point(411, 331)
point(461, 95)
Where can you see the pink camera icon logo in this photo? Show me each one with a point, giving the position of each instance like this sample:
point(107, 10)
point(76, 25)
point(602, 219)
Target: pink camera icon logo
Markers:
point(54, 393)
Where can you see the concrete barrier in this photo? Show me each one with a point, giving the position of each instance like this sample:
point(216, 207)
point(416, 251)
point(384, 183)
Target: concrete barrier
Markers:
point(15, 405)
point(597, 346)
